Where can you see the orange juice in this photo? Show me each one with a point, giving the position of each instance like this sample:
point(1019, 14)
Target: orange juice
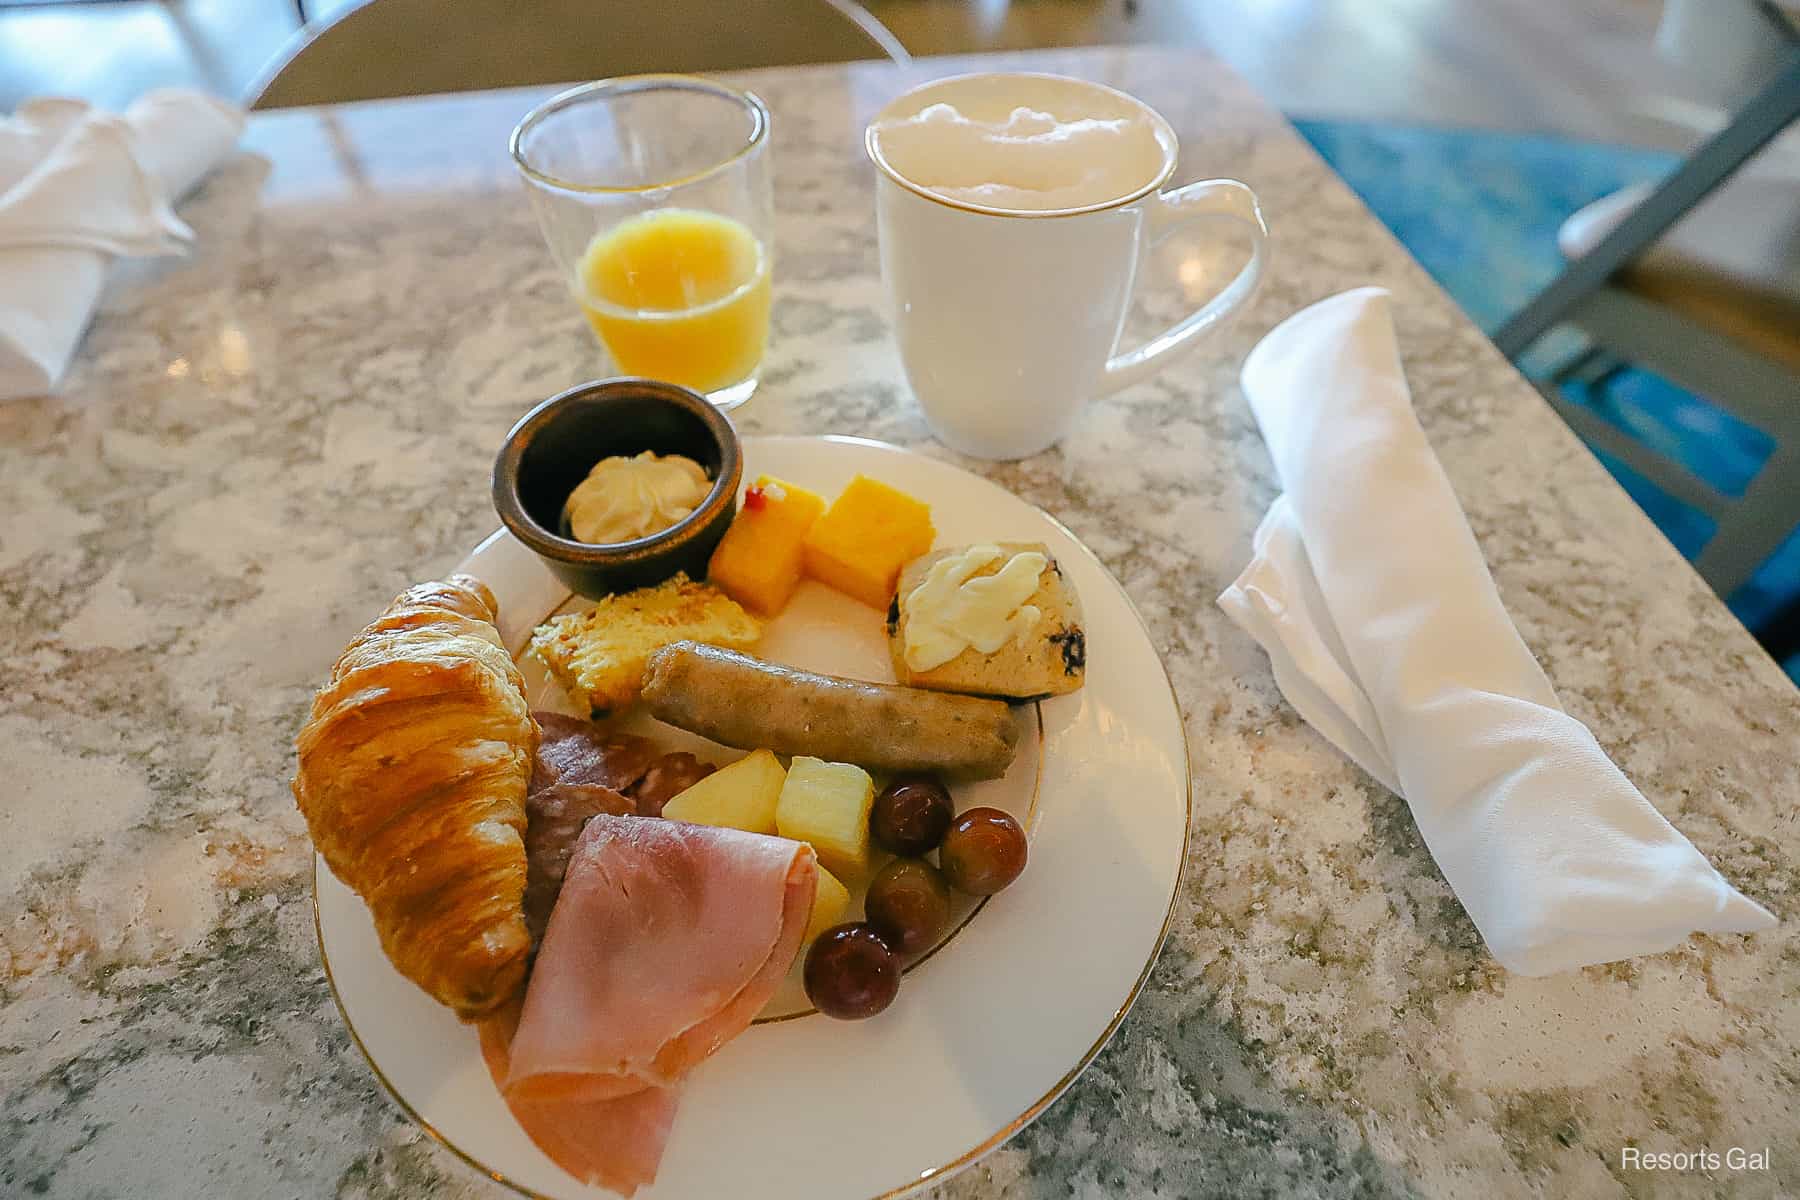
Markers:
point(680, 295)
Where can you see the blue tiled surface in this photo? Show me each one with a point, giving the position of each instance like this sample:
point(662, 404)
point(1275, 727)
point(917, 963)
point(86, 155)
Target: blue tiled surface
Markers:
point(1480, 211)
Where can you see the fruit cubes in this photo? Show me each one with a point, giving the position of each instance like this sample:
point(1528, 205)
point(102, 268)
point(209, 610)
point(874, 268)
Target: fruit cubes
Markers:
point(745, 796)
point(865, 537)
point(740, 796)
point(827, 805)
point(758, 561)
point(830, 900)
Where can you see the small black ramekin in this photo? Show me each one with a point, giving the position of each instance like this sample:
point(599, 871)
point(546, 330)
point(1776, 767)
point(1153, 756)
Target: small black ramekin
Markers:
point(556, 444)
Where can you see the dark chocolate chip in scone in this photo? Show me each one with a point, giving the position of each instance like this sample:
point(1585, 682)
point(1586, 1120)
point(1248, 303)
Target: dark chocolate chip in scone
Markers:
point(1074, 650)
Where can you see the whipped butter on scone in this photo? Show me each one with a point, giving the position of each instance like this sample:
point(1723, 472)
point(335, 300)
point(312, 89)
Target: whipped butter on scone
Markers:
point(992, 619)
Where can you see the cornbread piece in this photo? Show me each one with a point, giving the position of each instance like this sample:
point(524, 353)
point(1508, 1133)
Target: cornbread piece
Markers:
point(865, 537)
point(758, 562)
point(1005, 637)
point(599, 656)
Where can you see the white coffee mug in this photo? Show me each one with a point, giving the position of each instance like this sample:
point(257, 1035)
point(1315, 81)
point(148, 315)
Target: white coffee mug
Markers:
point(1008, 320)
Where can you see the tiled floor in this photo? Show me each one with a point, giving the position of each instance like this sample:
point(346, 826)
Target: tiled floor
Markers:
point(1582, 68)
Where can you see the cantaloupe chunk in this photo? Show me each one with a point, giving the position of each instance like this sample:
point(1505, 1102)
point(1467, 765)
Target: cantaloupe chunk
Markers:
point(758, 562)
point(865, 537)
point(829, 903)
point(827, 804)
point(740, 796)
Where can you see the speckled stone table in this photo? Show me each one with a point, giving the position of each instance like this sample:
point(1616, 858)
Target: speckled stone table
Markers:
point(261, 444)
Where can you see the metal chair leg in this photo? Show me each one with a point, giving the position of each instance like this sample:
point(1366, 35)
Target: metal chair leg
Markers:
point(1754, 527)
point(1594, 369)
point(1576, 365)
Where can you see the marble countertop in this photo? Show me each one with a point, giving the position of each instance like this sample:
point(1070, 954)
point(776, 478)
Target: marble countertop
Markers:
point(259, 445)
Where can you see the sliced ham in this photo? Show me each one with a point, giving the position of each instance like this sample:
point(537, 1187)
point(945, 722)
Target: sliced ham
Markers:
point(583, 769)
point(615, 1143)
point(666, 942)
point(554, 818)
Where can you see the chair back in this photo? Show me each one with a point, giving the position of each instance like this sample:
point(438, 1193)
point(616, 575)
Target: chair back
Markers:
point(383, 48)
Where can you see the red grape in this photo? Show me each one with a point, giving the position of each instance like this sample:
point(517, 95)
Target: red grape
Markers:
point(910, 815)
point(908, 904)
point(983, 851)
point(851, 973)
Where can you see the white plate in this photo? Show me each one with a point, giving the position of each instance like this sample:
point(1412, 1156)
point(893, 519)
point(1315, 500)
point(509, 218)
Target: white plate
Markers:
point(986, 1033)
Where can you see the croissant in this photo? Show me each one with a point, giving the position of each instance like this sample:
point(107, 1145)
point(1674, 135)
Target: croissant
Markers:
point(412, 777)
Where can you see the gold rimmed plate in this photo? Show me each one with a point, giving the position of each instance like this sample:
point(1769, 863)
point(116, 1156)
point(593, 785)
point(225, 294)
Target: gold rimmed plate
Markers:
point(988, 1029)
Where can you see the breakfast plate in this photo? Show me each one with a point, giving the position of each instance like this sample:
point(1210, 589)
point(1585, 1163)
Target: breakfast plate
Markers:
point(989, 1028)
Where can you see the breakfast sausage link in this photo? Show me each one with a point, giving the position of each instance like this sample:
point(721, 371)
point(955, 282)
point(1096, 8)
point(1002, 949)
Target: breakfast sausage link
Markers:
point(745, 702)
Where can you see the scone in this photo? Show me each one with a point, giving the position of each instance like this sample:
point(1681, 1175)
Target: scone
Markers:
point(980, 619)
point(599, 656)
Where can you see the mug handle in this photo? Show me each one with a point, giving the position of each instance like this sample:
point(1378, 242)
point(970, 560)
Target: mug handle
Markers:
point(1166, 212)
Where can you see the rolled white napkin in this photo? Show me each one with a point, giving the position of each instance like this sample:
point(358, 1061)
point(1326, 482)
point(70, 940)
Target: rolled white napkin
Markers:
point(79, 187)
point(1387, 634)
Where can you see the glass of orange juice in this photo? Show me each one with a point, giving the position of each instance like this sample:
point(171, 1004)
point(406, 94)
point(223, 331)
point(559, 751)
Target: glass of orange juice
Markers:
point(653, 193)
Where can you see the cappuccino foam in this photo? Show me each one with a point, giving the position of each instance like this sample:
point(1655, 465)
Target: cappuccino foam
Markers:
point(1059, 148)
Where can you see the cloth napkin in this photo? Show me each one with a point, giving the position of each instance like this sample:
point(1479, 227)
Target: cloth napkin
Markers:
point(78, 188)
point(1387, 634)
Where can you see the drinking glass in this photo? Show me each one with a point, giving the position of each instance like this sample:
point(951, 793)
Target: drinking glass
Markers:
point(653, 193)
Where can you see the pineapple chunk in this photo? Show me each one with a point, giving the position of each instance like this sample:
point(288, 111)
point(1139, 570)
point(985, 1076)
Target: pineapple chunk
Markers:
point(759, 559)
point(827, 804)
point(865, 537)
point(829, 903)
point(740, 796)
